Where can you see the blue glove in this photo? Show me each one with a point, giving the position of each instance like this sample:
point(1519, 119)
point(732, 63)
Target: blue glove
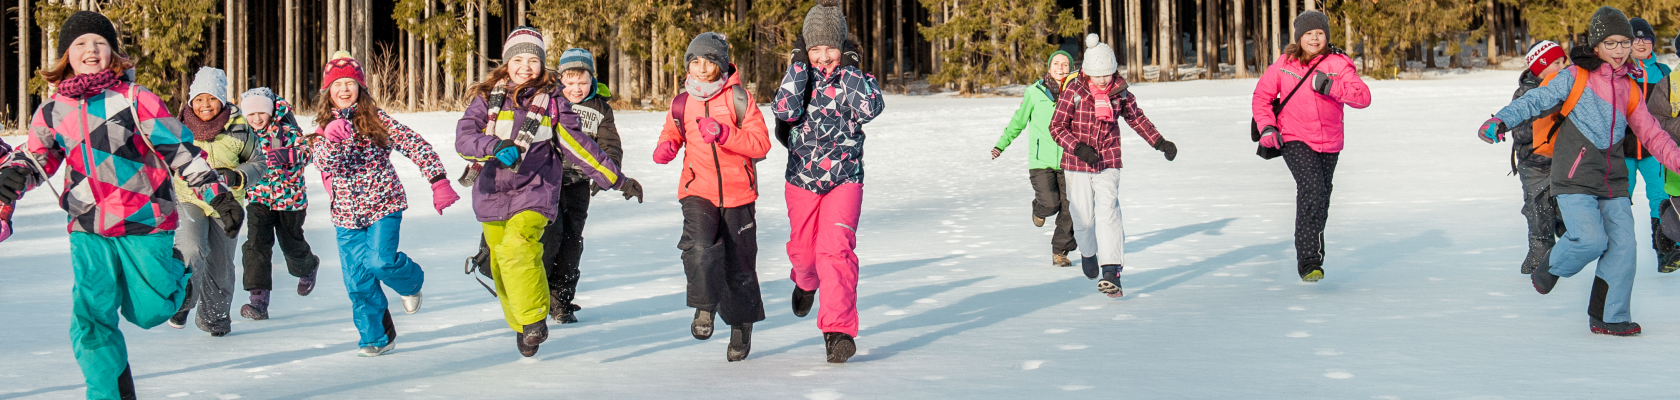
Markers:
point(507, 153)
point(1492, 131)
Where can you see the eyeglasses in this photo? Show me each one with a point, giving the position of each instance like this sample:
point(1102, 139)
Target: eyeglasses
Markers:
point(1622, 44)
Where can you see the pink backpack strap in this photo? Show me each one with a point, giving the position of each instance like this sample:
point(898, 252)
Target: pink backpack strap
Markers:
point(678, 105)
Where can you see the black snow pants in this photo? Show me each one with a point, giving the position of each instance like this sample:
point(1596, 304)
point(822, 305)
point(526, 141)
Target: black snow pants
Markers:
point(720, 253)
point(264, 227)
point(1050, 198)
point(1313, 172)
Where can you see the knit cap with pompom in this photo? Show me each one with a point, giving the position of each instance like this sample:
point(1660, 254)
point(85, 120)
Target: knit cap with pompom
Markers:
point(1099, 58)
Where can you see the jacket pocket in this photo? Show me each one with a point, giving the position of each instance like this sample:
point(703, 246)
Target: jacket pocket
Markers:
point(1577, 163)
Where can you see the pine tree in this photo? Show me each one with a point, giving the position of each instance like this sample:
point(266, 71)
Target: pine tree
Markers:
point(1000, 41)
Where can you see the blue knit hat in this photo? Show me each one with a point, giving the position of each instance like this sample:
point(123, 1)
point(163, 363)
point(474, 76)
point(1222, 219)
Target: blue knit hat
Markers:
point(577, 58)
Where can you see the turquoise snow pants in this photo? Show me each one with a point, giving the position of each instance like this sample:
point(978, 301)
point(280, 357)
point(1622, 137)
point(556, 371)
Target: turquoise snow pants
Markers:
point(1652, 171)
point(137, 276)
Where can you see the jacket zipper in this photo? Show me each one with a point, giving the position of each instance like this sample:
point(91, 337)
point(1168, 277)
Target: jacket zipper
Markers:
point(1578, 162)
point(717, 166)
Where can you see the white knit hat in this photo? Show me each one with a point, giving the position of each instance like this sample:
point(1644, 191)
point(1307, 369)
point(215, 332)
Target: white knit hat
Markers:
point(1099, 58)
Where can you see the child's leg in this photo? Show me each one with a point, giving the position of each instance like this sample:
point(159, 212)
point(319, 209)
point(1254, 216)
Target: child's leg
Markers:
point(392, 267)
point(95, 298)
point(1585, 239)
point(1062, 241)
point(208, 253)
point(1081, 201)
point(259, 247)
point(1616, 267)
point(1111, 234)
point(1312, 172)
point(516, 262)
point(741, 301)
point(564, 264)
point(300, 258)
point(802, 219)
point(837, 263)
point(703, 253)
point(368, 307)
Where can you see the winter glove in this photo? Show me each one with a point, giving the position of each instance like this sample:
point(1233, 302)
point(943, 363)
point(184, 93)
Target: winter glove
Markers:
point(339, 130)
point(1321, 83)
point(996, 152)
point(442, 194)
point(1492, 131)
point(12, 180)
point(507, 152)
point(233, 179)
point(1087, 154)
point(229, 213)
point(713, 132)
point(666, 152)
point(631, 188)
point(1269, 138)
point(1167, 147)
point(849, 56)
point(281, 157)
point(798, 55)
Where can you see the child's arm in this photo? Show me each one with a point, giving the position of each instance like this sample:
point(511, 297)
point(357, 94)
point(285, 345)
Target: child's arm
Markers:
point(1129, 110)
point(1347, 88)
point(752, 139)
point(174, 144)
point(415, 147)
point(577, 147)
point(1540, 101)
point(789, 103)
point(1023, 114)
point(859, 96)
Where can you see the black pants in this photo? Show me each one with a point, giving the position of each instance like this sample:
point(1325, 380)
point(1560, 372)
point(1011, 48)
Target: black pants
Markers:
point(563, 241)
point(1313, 172)
point(720, 253)
point(1050, 198)
point(264, 226)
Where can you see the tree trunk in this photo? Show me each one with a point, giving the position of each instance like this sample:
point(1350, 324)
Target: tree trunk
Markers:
point(483, 42)
point(450, 97)
point(23, 108)
point(1493, 35)
point(1276, 25)
point(413, 67)
point(1106, 33)
point(898, 43)
point(1239, 44)
point(1134, 39)
point(879, 32)
point(431, 62)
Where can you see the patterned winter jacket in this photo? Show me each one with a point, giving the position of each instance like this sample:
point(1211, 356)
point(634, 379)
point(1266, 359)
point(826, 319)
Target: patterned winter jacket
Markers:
point(597, 117)
point(282, 188)
point(118, 185)
point(1588, 150)
point(235, 148)
point(1076, 122)
point(360, 176)
point(502, 192)
point(826, 150)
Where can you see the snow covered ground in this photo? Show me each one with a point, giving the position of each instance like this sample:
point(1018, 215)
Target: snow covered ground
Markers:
point(958, 300)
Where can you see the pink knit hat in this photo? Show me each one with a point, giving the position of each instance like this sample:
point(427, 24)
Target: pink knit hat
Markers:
point(342, 66)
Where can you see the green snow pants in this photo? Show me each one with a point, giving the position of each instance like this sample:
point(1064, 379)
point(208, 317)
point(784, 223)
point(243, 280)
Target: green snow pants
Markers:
point(516, 252)
point(136, 275)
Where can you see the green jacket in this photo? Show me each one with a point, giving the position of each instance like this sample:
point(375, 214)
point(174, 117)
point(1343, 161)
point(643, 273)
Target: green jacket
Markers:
point(1034, 115)
point(236, 149)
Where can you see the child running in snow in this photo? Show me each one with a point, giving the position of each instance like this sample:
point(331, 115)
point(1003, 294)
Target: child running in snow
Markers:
point(121, 241)
point(717, 124)
point(1599, 218)
point(1085, 124)
point(1654, 84)
point(219, 130)
point(352, 146)
point(278, 202)
point(519, 125)
point(1045, 168)
point(827, 99)
point(1533, 167)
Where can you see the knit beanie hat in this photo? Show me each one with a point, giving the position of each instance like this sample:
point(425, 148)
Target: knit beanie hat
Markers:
point(1542, 55)
point(524, 40)
point(85, 22)
point(711, 46)
point(1099, 58)
point(1606, 22)
point(342, 66)
point(1052, 58)
point(259, 100)
point(1643, 29)
point(211, 81)
point(577, 58)
point(825, 25)
point(1308, 21)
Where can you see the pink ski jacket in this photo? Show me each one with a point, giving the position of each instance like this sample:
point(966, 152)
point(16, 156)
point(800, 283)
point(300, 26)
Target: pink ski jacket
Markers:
point(1310, 118)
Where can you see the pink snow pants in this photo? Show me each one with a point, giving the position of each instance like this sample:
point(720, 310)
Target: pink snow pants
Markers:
point(820, 248)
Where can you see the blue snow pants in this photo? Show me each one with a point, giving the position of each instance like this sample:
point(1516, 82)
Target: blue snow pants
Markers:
point(1600, 229)
point(136, 276)
point(369, 257)
point(1652, 171)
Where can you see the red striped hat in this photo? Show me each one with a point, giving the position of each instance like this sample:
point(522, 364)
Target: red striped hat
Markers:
point(1542, 55)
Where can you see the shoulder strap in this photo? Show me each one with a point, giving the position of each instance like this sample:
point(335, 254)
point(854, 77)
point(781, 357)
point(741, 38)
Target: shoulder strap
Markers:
point(678, 105)
point(1304, 78)
point(740, 103)
point(1574, 92)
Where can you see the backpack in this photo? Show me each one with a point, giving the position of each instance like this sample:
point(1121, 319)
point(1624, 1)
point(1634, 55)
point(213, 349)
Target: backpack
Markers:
point(1551, 123)
point(680, 103)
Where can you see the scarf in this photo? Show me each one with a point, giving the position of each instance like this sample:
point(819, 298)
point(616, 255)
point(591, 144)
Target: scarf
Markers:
point(1054, 86)
point(205, 131)
point(527, 133)
point(1099, 97)
point(704, 90)
point(80, 87)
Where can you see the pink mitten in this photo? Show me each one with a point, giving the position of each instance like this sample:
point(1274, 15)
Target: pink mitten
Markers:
point(1269, 141)
point(339, 130)
point(666, 152)
point(712, 131)
point(6, 221)
point(443, 195)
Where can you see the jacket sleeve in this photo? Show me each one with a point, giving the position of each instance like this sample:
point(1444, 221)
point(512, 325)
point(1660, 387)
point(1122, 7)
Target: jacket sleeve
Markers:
point(789, 103)
point(1347, 88)
point(1061, 124)
point(582, 151)
point(255, 165)
point(44, 155)
point(606, 135)
point(860, 96)
point(1133, 115)
point(415, 147)
point(752, 138)
point(1018, 123)
point(1264, 92)
point(1654, 138)
point(174, 144)
point(1539, 101)
point(470, 140)
point(1661, 107)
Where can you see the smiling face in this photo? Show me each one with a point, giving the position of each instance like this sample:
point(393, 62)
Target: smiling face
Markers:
point(1614, 50)
point(1059, 67)
point(524, 68)
point(1642, 49)
point(344, 92)
point(258, 121)
point(206, 107)
point(704, 71)
point(577, 84)
point(89, 54)
point(824, 57)
point(1313, 41)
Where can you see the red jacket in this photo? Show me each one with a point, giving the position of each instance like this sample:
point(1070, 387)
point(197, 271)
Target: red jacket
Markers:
point(725, 172)
point(1076, 122)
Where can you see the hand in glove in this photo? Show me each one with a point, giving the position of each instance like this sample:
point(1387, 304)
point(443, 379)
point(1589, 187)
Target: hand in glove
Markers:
point(666, 152)
point(1167, 147)
point(229, 213)
point(1089, 155)
point(1269, 138)
point(996, 152)
point(233, 179)
point(281, 157)
point(339, 130)
point(631, 188)
point(12, 182)
point(442, 194)
point(1492, 131)
point(1321, 83)
point(508, 153)
point(713, 132)
point(798, 54)
point(849, 55)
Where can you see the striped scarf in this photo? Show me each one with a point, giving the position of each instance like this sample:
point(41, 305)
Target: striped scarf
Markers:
point(527, 133)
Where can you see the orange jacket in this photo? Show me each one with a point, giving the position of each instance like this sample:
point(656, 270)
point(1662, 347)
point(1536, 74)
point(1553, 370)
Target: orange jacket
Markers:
point(725, 172)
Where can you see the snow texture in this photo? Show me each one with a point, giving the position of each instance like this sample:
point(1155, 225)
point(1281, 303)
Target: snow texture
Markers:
point(1422, 296)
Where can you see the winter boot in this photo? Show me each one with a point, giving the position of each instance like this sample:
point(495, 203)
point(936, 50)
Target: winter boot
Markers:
point(1668, 262)
point(1311, 271)
point(840, 346)
point(1629, 328)
point(1090, 266)
point(376, 351)
point(179, 320)
point(702, 326)
point(306, 284)
point(1536, 258)
point(1543, 279)
point(1060, 260)
point(411, 303)
point(740, 341)
point(1038, 221)
point(561, 310)
point(524, 349)
point(536, 333)
point(1110, 283)
point(258, 309)
point(802, 300)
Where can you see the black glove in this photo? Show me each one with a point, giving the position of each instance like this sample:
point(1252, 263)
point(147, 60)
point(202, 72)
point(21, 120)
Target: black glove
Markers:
point(230, 213)
point(234, 179)
point(12, 181)
point(631, 188)
point(798, 55)
point(1167, 147)
point(1087, 154)
point(1321, 83)
point(849, 55)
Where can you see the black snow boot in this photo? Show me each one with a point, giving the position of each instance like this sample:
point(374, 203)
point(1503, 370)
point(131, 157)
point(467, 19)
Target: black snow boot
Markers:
point(179, 320)
point(1537, 257)
point(258, 309)
point(1089, 264)
point(524, 349)
point(840, 346)
point(802, 300)
point(702, 326)
point(306, 285)
point(1629, 328)
point(1543, 279)
point(536, 333)
point(1110, 283)
point(1311, 271)
point(561, 310)
point(1668, 262)
point(740, 341)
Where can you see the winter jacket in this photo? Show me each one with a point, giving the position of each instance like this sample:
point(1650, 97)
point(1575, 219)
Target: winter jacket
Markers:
point(1037, 108)
point(118, 185)
point(282, 188)
point(826, 150)
point(360, 176)
point(1309, 117)
point(1654, 79)
point(1588, 150)
point(1522, 135)
point(501, 192)
point(1076, 122)
point(596, 116)
point(237, 149)
point(725, 173)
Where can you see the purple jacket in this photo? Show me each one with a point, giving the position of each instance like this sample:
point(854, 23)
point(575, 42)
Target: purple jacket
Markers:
point(502, 192)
